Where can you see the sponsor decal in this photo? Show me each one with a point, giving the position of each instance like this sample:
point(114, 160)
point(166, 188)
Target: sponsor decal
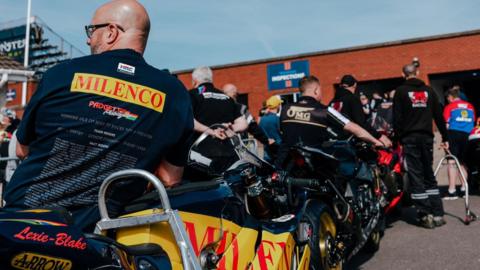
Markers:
point(464, 117)
point(118, 89)
point(299, 113)
point(215, 96)
point(202, 89)
point(419, 99)
point(38, 222)
point(200, 239)
point(60, 239)
point(113, 111)
point(275, 251)
point(32, 261)
point(36, 211)
point(284, 218)
point(127, 69)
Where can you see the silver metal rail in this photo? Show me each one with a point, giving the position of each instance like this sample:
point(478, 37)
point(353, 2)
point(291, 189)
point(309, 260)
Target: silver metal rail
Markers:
point(189, 259)
point(469, 215)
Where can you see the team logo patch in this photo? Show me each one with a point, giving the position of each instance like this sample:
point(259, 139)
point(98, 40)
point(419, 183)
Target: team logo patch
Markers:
point(31, 261)
point(419, 99)
point(464, 117)
point(118, 89)
point(113, 111)
point(127, 69)
point(299, 113)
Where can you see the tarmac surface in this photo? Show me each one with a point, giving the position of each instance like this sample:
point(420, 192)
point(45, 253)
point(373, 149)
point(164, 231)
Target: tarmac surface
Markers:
point(408, 247)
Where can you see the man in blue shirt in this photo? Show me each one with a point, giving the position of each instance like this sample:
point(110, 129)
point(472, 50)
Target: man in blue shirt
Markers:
point(270, 122)
point(95, 115)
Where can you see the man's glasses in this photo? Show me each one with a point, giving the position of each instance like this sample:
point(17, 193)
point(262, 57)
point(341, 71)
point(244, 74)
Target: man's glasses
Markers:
point(89, 29)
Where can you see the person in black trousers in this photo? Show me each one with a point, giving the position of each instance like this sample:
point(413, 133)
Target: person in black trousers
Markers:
point(414, 106)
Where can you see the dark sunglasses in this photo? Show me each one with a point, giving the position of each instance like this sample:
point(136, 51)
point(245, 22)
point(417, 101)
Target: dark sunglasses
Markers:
point(89, 29)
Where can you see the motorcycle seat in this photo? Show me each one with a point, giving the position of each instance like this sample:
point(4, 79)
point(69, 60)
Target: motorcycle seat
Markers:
point(146, 249)
point(145, 201)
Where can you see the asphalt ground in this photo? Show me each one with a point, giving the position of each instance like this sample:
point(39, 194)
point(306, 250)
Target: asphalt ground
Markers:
point(406, 246)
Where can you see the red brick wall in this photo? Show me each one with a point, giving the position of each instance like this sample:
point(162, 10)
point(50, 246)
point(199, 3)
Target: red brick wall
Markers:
point(436, 56)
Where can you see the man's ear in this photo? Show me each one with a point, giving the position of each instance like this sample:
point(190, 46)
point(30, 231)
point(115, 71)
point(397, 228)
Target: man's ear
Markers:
point(112, 34)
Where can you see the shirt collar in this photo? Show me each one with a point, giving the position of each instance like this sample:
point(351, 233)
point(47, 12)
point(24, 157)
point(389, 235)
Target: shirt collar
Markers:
point(126, 53)
point(307, 99)
point(206, 87)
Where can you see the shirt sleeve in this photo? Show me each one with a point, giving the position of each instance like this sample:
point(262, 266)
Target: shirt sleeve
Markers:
point(336, 119)
point(236, 109)
point(446, 113)
point(26, 130)
point(437, 116)
point(195, 100)
point(397, 114)
point(178, 154)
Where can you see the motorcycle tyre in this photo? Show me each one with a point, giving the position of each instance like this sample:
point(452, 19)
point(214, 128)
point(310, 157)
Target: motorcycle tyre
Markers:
point(373, 243)
point(323, 225)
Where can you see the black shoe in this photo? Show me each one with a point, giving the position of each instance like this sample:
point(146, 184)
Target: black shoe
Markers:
point(461, 193)
point(427, 222)
point(451, 196)
point(439, 221)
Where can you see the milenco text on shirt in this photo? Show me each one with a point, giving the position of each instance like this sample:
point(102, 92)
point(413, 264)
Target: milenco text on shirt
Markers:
point(118, 89)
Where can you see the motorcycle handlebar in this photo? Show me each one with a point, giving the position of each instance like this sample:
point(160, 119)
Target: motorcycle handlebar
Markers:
point(383, 148)
point(304, 182)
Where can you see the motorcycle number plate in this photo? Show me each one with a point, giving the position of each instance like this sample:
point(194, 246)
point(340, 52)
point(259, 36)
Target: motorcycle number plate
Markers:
point(30, 261)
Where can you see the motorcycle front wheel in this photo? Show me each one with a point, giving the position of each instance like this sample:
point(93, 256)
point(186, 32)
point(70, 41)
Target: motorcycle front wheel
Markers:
point(323, 239)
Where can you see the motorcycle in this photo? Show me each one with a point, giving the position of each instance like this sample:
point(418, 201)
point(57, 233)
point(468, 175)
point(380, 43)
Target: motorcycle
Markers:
point(390, 163)
point(393, 176)
point(355, 192)
point(249, 216)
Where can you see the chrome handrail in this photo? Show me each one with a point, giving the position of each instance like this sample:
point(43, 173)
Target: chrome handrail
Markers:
point(189, 259)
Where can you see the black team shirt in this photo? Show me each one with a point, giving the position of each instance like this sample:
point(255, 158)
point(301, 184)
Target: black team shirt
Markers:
point(310, 123)
point(414, 106)
point(211, 106)
point(93, 116)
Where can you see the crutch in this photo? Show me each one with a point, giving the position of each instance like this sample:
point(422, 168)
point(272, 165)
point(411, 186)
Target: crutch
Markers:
point(469, 215)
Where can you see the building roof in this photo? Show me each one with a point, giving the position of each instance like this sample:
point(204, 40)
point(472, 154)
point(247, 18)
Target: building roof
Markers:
point(342, 50)
point(8, 63)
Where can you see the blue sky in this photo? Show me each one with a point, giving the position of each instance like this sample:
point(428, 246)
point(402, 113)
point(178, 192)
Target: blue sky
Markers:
point(189, 33)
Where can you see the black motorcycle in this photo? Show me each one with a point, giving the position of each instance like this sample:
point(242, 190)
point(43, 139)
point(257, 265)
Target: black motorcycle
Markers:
point(350, 190)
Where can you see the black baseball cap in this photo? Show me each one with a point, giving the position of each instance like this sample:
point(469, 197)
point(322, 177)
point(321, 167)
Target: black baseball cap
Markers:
point(348, 80)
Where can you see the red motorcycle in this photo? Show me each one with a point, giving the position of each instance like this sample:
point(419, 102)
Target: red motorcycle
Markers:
point(389, 162)
point(391, 172)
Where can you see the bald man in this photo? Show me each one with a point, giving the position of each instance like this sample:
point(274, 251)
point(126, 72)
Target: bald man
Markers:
point(414, 106)
point(95, 115)
point(253, 128)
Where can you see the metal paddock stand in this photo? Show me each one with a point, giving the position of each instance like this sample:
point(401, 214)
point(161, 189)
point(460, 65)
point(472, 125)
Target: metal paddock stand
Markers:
point(469, 215)
point(169, 215)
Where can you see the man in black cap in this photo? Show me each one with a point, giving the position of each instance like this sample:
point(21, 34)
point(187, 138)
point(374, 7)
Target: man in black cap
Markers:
point(414, 106)
point(346, 102)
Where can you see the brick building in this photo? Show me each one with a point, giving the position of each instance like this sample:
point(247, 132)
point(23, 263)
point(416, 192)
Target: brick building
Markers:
point(12, 73)
point(445, 59)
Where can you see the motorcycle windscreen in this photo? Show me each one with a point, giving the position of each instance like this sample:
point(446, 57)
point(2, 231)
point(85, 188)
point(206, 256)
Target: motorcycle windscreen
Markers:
point(212, 156)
